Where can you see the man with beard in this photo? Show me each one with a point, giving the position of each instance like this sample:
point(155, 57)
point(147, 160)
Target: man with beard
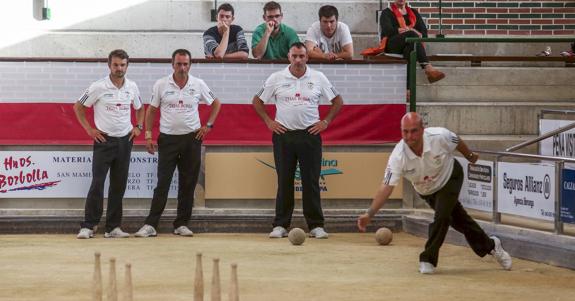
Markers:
point(113, 136)
point(272, 39)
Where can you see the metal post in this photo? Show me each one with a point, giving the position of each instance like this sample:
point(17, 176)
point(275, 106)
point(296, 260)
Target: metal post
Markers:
point(496, 216)
point(542, 137)
point(440, 34)
point(412, 81)
point(558, 197)
point(214, 12)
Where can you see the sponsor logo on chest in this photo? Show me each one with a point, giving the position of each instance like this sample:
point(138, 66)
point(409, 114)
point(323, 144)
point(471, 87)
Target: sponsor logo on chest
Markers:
point(117, 107)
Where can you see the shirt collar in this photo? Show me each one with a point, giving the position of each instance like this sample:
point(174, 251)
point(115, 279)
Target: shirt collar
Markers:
point(110, 84)
point(411, 154)
point(288, 74)
point(426, 145)
point(280, 31)
point(173, 82)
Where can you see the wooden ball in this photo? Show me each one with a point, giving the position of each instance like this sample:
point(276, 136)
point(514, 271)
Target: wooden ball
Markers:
point(383, 236)
point(296, 236)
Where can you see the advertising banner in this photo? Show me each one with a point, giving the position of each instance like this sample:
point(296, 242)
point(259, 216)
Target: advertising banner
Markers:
point(560, 145)
point(477, 188)
point(568, 196)
point(526, 190)
point(252, 176)
point(68, 174)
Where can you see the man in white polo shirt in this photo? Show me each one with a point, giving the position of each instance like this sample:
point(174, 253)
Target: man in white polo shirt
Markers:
point(177, 97)
point(425, 158)
point(328, 38)
point(297, 91)
point(113, 136)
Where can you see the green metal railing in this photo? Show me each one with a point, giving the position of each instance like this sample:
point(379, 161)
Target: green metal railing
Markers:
point(413, 54)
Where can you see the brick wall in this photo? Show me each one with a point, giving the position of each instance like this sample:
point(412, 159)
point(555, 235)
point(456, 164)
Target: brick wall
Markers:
point(231, 82)
point(499, 17)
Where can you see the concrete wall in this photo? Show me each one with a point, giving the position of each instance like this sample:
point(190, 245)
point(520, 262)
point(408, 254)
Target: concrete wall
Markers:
point(154, 28)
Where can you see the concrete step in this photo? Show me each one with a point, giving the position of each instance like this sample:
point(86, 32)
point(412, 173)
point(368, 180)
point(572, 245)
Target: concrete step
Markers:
point(200, 211)
point(194, 15)
point(498, 142)
point(156, 28)
point(496, 49)
point(513, 64)
point(474, 84)
point(202, 221)
point(137, 44)
point(75, 206)
point(498, 76)
point(488, 118)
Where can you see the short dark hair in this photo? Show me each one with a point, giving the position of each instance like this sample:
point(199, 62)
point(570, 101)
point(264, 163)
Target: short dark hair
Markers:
point(181, 52)
point(298, 45)
point(271, 6)
point(327, 11)
point(226, 7)
point(119, 53)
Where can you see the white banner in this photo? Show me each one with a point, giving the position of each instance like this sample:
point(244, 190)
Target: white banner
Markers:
point(477, 188)
point(560, 145)
point(50, 174)
point(526, 189)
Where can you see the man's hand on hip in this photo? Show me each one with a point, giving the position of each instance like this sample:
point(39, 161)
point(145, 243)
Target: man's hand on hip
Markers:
point(96, 134)
point(318, 127)
point(276, 127)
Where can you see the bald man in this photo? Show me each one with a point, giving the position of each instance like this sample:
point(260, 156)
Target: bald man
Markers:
point(424, 157)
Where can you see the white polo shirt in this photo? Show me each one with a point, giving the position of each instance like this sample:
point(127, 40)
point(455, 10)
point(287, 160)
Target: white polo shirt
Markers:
point(297, 99)
point(112, 105)
point(432, 170)
point(179, 107)
point(340, 38)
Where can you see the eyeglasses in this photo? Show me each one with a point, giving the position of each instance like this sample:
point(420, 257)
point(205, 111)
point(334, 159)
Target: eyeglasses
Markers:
point(273, 17)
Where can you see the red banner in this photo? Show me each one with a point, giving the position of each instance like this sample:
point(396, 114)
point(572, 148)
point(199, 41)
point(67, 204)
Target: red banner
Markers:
point(237, 124)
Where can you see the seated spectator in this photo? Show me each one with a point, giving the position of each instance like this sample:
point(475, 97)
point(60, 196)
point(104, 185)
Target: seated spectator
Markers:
point(328, 38)
point(225, 40)
point(272, 39)
point(398, 22)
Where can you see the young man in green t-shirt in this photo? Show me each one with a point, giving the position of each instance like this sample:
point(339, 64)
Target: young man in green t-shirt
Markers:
point(272, 39)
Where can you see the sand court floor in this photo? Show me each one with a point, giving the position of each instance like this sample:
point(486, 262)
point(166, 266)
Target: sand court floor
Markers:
point(347, 266)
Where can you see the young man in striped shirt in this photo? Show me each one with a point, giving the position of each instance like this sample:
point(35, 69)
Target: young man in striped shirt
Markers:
point(225, 40)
